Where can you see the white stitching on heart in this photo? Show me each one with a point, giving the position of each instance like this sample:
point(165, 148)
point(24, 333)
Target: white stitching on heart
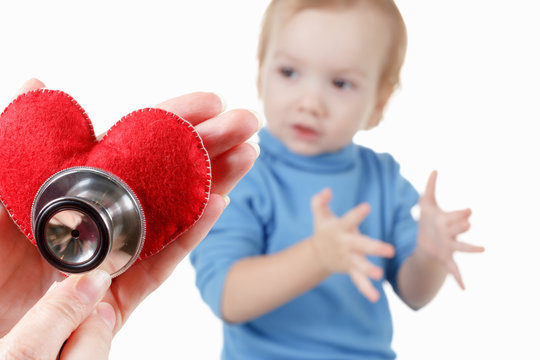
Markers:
point(208, 167)
point(73, 101)
point(92, 133)
point(88, 122)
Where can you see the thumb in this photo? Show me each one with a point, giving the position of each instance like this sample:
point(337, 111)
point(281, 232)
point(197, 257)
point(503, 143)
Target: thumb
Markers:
point(319, 204)
point(429, 194)
point(46, 326)
point(92, 339)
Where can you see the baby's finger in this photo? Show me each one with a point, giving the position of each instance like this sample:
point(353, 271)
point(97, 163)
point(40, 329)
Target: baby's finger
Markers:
point(30, 85)
point(196, 107)
point(458, 228)
point(92, 339)
point(454, 270)
point(364, 285)
point(361, 264)
point(46, 326)
point(354, 217)
point(319, 204)
point(365, 245)
point(227, 130)
point(231, 166)
point(464, 247)
point(429, 194)
point(458, 215)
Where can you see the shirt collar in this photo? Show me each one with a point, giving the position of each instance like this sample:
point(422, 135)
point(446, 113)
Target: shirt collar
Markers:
point(329, 162)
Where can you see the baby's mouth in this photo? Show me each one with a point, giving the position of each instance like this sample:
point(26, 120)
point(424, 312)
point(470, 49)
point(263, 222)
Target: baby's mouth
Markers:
point(305, 132)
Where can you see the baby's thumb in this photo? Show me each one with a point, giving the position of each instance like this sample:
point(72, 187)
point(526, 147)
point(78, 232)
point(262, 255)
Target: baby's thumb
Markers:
point(319, 204)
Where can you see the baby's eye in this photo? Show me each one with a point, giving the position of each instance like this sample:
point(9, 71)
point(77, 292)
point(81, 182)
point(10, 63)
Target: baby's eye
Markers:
point(288, 72)
point(342, 83)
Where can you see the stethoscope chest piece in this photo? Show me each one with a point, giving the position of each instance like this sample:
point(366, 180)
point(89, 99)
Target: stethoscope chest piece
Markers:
point(85, 218)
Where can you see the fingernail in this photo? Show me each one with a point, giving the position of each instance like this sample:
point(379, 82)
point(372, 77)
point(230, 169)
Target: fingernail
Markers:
point(259, 119)
point(106, 312)
point(223, 102)
point(256, 147)
point(227, 200)
point(94, 285)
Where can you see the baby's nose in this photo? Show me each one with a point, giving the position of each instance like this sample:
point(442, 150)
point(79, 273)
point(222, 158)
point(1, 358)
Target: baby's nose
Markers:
point(312, 102)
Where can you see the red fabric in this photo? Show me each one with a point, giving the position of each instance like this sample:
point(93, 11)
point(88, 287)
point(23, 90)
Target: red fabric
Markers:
point(156, 153)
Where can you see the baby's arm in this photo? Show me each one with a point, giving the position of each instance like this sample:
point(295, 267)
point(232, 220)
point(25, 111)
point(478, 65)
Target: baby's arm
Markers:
point(423, 273)
point(257, 285)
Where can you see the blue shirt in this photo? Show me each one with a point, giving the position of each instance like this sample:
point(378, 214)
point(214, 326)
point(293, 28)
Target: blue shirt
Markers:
point(270, 211)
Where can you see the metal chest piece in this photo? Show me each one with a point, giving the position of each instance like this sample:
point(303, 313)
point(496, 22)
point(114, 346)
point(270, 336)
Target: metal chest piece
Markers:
point(85, 218)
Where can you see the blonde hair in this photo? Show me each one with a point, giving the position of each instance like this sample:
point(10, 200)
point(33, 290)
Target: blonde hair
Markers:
point(280, 11)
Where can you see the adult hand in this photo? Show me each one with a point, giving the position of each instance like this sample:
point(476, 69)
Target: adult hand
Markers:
point(71, 310)
point(438, 231)
point(26, 276)
point(342, 248)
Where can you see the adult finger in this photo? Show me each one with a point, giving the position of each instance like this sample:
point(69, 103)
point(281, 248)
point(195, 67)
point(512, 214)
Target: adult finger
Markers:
point(145, 276)
point(364, 285)
point(196, 107)
point(227, 130)
point(319, 204)
point(454, 270)
point(354, 217)
point(429, 194)
point(365, 245)
point(45, 327)
point(92, 339)
point(230, 167)
point(189, 240)
point(30, 85)
point(464, 247)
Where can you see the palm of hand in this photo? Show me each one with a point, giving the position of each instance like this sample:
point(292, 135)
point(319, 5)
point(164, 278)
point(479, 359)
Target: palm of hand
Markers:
point(342, 248)
point(26, 276)
point(338, 255)
point(438, 231)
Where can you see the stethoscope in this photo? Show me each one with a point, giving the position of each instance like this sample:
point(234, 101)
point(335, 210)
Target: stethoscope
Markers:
point(85, 218)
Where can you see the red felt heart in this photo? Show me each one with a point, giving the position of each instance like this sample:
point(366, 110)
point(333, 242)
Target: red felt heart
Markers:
point(157, 154)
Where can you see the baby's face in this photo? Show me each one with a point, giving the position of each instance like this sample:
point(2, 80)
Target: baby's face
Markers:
point(320, 76)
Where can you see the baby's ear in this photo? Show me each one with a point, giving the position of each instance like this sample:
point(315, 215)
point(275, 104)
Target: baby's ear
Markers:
point(385, 92)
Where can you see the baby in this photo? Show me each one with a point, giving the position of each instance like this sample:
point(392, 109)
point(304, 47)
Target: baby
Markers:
point(294, 281)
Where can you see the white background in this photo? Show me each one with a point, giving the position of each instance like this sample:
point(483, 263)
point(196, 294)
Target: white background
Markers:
point(468, 107)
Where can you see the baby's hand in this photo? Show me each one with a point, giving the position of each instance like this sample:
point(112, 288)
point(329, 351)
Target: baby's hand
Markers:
point(438, 231)
point(341, 247)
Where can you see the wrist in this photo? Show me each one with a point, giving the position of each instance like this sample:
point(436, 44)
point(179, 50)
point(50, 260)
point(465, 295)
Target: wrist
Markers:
point(321, 267)
point(427, 257)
